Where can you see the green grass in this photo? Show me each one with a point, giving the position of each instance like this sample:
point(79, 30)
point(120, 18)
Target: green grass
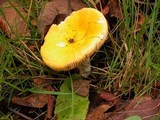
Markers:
point(131, 57)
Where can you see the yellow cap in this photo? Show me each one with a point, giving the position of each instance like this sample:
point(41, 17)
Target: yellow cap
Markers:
point(68, 44)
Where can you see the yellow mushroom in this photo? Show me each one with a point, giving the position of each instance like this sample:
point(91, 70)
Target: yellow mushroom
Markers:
point(74, 40)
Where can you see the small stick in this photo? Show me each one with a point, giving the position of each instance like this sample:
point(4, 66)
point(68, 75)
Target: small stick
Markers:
point(50, 106)
point(20, 114)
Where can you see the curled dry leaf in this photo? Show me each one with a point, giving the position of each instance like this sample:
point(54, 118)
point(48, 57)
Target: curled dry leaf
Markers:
point(52, 13)
point(11, 21)
point(115, 9)
point(81, 87)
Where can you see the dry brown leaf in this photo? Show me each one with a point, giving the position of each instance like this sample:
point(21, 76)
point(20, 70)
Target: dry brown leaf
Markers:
point(11, 22)
point(1, 50)
point(139, 22)
point(52, 13)
point(98, 107)
point(115, 9)
point(41, 80)
point(2, 1)
point(3, 26)
point(105, 10)
point(33, 100)
point(108, 96)
point(34, 22)
point(141, 18)
point(77, 4)
point(81, 87)
point(38, 81)
point(98, 112)
point(145, 107)
point(56, 11)
point(32, 47)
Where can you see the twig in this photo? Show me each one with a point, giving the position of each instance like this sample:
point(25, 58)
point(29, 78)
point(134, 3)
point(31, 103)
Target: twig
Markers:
point(50, 105)
point(20, 114)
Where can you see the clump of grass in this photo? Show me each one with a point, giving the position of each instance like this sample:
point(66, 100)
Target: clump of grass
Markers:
point(140, 47)
point(133, 59)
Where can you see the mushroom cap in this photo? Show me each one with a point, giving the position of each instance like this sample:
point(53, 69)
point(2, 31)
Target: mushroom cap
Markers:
point(68, 44)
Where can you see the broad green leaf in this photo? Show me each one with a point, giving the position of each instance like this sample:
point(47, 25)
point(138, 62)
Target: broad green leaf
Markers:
point(135, 117)
point(71, 106)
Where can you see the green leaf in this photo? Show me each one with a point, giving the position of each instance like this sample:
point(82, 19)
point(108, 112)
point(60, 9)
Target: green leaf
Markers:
point(136, 117)
point(71, 106)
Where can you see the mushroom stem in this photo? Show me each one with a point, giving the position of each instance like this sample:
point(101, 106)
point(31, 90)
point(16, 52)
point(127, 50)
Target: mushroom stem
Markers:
point(85, 68)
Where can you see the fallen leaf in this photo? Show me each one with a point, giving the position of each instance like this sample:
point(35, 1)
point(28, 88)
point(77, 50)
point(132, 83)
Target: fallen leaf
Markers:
point(52, 13)
point(33, 100)
point(32, 47)
point(105, 10)
point(41, 80)
point(115, 9)
point(81, 87)
point(145, 107)
point(141, 18)
point(98, 106)
point(34, 22)
point(139, 21)
point(2, 1)
point(156, 90)
point(158, 85)
point(77, 4)
point(108, 96)
point(98, 112)
point(3, 26)
point(1, 49)
point(11, 21)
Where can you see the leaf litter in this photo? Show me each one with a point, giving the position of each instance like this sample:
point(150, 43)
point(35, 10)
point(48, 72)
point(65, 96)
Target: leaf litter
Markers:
point(145, 107)
point(11, 22)
point(35, 100)
point(56, 11)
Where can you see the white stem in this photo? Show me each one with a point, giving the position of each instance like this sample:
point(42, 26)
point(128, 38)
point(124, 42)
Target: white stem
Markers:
point(85, 68)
